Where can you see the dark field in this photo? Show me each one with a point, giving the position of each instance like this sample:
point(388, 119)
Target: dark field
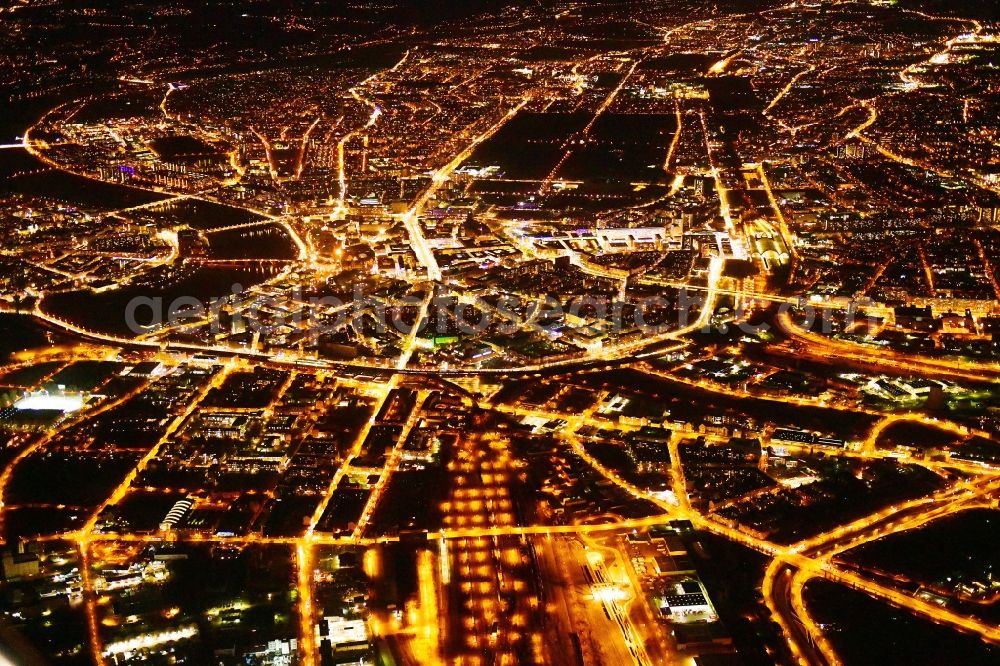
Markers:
point(866, 631)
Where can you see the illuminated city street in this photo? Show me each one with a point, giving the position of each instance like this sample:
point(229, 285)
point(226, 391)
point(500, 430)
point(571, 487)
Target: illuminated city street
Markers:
point(500, 332)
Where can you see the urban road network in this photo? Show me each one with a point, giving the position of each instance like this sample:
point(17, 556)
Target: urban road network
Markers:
point(627, 623)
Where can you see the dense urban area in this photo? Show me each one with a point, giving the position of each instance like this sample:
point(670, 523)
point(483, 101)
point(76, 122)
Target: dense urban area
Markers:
point(499, 332)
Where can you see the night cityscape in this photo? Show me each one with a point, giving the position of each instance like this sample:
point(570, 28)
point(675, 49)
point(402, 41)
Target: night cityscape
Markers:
point(500, 332)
